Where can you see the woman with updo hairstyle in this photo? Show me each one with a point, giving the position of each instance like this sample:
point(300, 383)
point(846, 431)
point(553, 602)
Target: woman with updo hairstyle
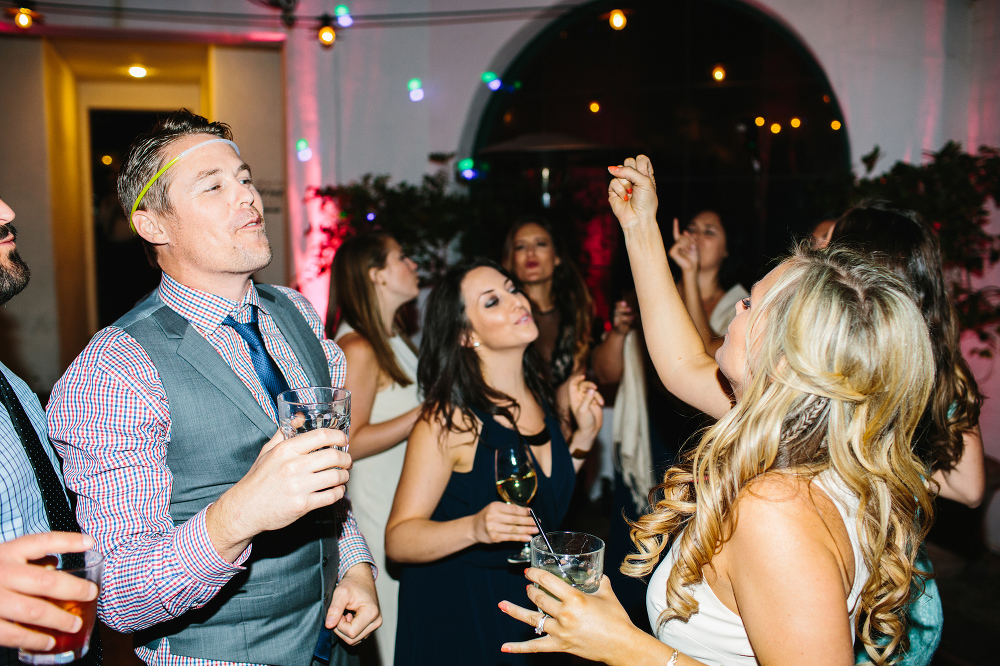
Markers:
point(372, 280)
point(484, 391)
point(560, 301)
point(793, 525)
point(948, 440)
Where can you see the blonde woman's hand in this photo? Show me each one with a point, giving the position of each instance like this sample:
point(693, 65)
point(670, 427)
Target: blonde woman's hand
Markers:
point(684, 250)
point(632, 192)
point(586, 402)
point(498, 522)
point(592, 626)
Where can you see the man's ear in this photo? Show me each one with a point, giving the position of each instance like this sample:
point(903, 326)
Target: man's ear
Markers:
point(150, 227)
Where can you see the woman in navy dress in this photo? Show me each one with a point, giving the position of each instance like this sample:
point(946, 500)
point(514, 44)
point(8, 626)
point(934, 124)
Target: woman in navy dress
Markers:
point(484, 390)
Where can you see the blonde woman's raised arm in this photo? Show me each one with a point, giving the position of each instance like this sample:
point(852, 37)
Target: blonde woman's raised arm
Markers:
point(674, 344)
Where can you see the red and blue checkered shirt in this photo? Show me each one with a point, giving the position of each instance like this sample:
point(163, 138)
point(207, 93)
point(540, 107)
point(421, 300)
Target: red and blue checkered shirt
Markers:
point(109, 420)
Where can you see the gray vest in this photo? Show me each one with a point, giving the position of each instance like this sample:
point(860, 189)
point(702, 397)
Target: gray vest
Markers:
point(272, 612)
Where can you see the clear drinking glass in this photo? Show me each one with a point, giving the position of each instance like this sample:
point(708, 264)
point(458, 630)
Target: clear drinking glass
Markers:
point(578, 558)
point(517, 483)
point(88, 565)
point(313, 407)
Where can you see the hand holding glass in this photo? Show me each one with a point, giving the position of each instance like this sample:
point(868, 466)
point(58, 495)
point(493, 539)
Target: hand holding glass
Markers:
point(576, 557)
point(314, 407)
point(88, 565)
point(517, 483)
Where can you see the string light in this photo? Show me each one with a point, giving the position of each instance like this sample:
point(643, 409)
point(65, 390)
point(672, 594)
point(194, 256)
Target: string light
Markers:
point(718, 73)
point(302, 150)
point(23, 18)
point(491, 80)
point(759, 121)
point(326, 35)
point(416, 90)
point(794, 122)
point(465, 164)
point(617, 19)
point(137, 71)
point(775, 128)
point(344, 19)
point(835, 125)
point(106, 160)
point(594, 107)
point(370, 217)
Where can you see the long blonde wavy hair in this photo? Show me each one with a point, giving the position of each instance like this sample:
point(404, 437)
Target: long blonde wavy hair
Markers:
point(838, 370)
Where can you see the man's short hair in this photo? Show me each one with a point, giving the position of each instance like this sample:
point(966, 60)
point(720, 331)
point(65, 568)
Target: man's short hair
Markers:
point(146, 156)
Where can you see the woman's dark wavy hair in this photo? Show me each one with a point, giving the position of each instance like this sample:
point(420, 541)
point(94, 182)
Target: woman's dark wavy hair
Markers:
point(901, 240)
point(569, 290)
point(449, 373)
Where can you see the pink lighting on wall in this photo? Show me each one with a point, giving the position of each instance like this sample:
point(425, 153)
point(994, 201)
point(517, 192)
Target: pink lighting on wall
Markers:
point(310, 219)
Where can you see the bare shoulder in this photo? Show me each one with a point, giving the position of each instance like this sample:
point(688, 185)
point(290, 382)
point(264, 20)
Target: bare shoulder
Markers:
point(356, 345)
point(451, 439)
point(780, 508)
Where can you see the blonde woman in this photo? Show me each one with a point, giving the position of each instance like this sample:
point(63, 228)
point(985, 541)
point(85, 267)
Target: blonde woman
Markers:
point(373, 278)
point(795, 521)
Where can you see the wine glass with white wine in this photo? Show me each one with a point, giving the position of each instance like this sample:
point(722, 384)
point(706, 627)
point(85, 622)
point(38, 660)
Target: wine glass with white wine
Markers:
point(517, 483)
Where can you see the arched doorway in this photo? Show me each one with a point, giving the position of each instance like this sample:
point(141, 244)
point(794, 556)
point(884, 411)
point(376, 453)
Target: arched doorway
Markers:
point(731, 107)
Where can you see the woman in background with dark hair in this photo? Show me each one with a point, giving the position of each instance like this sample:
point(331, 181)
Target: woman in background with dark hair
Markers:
point(372, 280)
point(484, 390)
point(560, 301)
point(708, 275)
point(948, 440)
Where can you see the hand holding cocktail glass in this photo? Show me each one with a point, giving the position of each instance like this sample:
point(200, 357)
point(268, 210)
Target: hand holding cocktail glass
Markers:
point(580, 616)
point(33, 596)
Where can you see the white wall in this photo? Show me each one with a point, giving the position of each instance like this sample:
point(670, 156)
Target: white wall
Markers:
point(29, 337)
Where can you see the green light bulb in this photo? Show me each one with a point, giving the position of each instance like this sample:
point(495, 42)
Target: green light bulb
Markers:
point(341, 10)
point(489, 76)
point(414, 84)
point(467, 163)
point(301, 144)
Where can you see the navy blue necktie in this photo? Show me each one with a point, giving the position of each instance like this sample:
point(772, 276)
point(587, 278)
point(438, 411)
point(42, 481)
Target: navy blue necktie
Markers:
point(267, 370)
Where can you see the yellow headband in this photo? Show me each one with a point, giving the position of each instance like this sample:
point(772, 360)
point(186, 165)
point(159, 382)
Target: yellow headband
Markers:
point(169, 164)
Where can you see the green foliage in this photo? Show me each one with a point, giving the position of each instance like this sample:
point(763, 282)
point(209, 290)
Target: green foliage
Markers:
point(950, 190)
point(426, 219)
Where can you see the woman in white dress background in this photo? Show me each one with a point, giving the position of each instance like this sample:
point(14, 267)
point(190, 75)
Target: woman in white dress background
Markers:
point(796, 520)
point(372, 280)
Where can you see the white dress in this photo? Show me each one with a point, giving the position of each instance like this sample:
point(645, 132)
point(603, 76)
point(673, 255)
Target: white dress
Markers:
point(373, 486)
point(715, 635)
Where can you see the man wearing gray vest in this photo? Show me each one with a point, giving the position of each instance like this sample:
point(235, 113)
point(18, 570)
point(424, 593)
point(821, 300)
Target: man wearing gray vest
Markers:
point(223, 543)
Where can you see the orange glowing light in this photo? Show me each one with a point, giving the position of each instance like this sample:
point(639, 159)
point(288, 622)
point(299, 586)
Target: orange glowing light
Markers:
point(327, 35)
point(719, 73)
point(594, 107)
point(617, 19)
point(23, 18)
point(795, 122)
point(759, 121)
point(775, 128)
point(835, 125)
point(106, 160)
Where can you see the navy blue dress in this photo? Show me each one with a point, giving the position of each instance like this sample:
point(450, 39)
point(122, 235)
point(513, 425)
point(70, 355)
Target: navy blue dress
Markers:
point(448, 609)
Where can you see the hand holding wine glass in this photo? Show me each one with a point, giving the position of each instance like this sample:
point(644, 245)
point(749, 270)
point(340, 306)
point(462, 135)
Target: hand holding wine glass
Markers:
point(517, 483)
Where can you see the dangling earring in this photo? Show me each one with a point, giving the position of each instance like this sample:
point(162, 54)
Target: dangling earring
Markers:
point(475, 344)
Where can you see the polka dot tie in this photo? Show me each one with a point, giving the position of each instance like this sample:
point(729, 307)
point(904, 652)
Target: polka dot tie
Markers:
point(57, 507)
